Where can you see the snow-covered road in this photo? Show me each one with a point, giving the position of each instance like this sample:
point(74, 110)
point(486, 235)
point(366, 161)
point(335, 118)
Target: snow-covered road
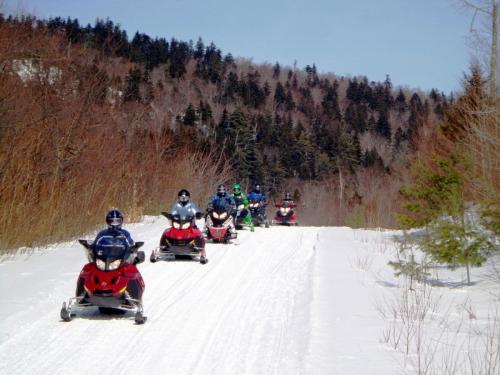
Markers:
point(279, 301)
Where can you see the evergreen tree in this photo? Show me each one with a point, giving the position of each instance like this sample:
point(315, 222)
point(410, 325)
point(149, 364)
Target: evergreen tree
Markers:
point(400, 102)
point(383, 126)
point(241, 146)
point(190, 116)
point(457, 241)
point(356, 115)
point(407, 265)
point(205, 112)
point(250, 91)
point(231, 88)
point(148, 87)
point(398, 140)
point(180, 53)
point(371, 158)
point(279, 96)
point(276, 70)
point(289, 102)
point(435, 200)
point(199, 49)
point(211, 67)
point(348, 150)
point(416, 118)
point(306, 102)
point(133, 81)
point(330, 103)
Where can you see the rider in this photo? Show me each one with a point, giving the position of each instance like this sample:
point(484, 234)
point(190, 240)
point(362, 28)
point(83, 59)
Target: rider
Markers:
point(114, 233)
point(238, 194)
point(222, 195)
point(288, 200)
point(114, 219)
point(241, 199)
point(184, 206)
point(257, 194)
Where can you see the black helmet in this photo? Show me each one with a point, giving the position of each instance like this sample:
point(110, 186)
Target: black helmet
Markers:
point(114, 219)
point(221, 190)
point(257, 188)
point(288, 196)
point(183, 196)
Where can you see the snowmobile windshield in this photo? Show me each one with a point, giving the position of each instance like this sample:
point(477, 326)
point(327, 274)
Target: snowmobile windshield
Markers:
point(183, 215)
point(254, 198)
point(182, 220)
point(109, 247)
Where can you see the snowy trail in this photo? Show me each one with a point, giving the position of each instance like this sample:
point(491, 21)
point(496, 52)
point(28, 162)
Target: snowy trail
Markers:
point(242, 313)
point(280, 301)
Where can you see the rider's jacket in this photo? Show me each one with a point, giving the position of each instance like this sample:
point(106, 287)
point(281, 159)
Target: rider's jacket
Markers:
point(240, 198)
point(256, 197)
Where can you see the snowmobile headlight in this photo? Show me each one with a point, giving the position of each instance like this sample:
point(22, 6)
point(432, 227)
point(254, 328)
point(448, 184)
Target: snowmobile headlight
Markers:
point(176, 225)
point(284, 210)
point(241, 206)
point(256, 205)
point(114, 265)
point(223, 215)
point(185, 225)
point(100, 264)
point(215, 214)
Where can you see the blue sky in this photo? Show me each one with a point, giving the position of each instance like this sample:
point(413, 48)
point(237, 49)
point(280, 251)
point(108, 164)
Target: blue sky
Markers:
point(419, 43)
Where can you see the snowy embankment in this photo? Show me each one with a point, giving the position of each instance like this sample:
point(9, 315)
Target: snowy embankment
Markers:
point(278, 301)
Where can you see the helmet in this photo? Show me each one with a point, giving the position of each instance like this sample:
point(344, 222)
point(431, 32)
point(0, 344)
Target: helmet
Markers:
point(183, 196)
point(114, 219)
point(288, 196)
point(236, 189)
point(257, 188)
point(221, 190)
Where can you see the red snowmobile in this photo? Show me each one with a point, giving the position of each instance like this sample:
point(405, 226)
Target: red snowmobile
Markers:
point(219, 221)
point(110, 281)
point(285, 214)
point(181, 240)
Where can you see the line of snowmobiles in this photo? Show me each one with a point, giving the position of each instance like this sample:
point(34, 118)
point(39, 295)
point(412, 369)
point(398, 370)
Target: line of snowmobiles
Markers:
point(111, 280)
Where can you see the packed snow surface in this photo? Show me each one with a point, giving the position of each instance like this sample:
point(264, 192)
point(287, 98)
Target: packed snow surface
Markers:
point(276, 301)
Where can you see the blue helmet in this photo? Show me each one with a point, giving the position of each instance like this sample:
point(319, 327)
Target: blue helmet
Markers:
point(114, 219)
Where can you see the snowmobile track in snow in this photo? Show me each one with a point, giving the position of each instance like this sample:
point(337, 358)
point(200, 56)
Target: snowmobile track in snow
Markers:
point(283, 300)
point(230, 316)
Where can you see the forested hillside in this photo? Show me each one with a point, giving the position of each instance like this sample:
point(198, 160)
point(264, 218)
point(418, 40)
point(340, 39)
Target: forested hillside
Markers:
point(91, 117)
